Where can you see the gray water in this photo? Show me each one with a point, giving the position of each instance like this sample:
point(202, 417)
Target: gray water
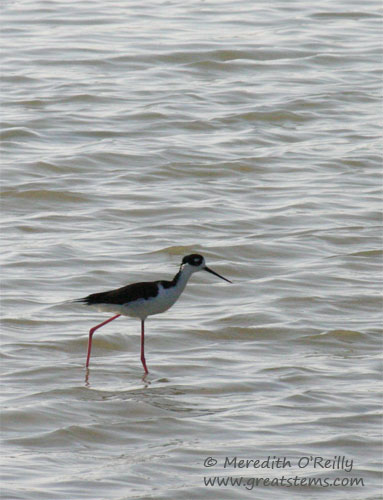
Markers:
point(136, 133)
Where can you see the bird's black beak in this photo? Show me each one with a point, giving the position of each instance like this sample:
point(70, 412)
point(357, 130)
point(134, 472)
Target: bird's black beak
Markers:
point(215, 274)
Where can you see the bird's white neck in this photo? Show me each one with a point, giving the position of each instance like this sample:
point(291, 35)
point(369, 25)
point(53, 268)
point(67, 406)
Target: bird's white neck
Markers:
point(182, 277)
point(170, 291)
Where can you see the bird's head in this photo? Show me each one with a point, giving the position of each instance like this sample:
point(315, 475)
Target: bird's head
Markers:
point(195, 262)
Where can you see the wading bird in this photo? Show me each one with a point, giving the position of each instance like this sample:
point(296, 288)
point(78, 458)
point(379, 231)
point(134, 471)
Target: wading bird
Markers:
point(140, 300)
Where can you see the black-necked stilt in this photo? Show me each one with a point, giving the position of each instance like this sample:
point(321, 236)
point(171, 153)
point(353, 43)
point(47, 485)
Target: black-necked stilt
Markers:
point(141, 300)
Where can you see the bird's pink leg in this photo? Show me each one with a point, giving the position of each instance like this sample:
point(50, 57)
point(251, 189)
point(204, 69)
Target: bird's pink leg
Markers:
point(91, 332)
point(142, 347)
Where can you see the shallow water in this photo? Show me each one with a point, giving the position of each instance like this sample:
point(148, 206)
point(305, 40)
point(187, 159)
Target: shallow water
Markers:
point(134, 134)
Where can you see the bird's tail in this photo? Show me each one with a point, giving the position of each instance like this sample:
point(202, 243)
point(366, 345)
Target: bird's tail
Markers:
point(75, 301)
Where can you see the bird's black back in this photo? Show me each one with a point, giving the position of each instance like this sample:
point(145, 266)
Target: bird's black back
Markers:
point(123, 295)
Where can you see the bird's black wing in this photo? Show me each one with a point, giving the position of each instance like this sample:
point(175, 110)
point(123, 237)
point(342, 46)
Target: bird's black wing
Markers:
point(123, 295)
